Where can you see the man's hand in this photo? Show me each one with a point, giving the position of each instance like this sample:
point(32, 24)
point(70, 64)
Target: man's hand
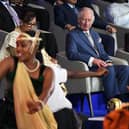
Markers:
point(102, 71)
point(59, 2)
point(99, 63)
point(69, 27)
point(111, 29)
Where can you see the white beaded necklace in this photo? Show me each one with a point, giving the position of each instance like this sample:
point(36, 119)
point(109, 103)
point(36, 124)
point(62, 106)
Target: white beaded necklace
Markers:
point(35, 69)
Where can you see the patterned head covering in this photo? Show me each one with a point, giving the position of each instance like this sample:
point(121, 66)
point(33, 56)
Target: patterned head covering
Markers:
point(26, 37)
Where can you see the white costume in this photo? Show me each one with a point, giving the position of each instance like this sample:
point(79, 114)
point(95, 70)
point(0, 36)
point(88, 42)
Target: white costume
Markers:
point(118, 14)
point(57, 100)
point(10, 40)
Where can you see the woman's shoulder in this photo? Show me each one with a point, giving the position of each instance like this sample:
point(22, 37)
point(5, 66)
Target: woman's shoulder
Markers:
point(8, 64)
point(12, 61)
point(45, 69)
point(42, 68)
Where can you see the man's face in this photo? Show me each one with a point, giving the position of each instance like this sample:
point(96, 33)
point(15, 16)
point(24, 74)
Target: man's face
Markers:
point(85, 20)
point(72, 1)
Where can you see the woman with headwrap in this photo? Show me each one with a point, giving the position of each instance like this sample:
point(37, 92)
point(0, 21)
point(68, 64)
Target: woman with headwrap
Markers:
point(32, 84)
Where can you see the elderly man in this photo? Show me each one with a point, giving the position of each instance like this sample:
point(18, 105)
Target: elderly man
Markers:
point(66, 17)
point(84, 44)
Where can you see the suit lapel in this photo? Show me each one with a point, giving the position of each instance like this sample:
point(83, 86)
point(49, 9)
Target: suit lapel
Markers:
point(6, 11)
point(87, 42)
point(85, 39)
point(69, 8)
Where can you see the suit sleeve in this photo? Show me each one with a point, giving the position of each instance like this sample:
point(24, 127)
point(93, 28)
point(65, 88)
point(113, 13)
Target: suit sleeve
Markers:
point(59, 16)
point(72, 51)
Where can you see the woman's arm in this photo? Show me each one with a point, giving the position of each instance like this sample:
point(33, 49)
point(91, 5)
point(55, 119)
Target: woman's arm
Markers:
point(45, 93)
point(77, 74)
point(47, 84)
point(6, 65)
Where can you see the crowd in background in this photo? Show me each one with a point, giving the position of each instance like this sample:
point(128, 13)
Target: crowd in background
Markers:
point(29, 40)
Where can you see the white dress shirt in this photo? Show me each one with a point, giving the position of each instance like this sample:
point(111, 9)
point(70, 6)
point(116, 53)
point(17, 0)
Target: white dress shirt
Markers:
point(87, 33)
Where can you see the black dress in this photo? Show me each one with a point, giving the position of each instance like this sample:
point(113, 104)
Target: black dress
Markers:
point(7, 114)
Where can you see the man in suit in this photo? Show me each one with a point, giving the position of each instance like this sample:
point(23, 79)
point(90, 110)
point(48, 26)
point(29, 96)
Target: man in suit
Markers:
point(66, 17)
point(101, 24)
point(84, 44)
point(8, 19)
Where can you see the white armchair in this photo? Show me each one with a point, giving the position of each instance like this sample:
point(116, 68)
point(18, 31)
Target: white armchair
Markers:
point(122, 54)
point(85, 86)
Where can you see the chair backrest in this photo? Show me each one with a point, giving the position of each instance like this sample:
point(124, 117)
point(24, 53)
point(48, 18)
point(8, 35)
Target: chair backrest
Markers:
point(60, 35)
point(3, 82)
point(2, 37)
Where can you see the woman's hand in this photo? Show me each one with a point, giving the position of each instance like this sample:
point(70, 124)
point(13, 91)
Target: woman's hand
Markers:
point(34, 107)
point(102, 71)
point(53, 60)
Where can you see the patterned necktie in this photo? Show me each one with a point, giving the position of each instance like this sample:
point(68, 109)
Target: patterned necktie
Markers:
point(92, 42)
point(13, 14)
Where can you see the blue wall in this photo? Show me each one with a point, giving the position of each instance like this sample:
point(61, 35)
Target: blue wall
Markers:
point(99, 103)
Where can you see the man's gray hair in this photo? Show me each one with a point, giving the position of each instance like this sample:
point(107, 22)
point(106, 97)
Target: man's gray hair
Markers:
point(84, 9)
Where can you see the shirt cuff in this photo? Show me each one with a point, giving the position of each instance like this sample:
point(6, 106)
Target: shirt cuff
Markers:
point(107, 26)
point(90, 63)
point(108, 61)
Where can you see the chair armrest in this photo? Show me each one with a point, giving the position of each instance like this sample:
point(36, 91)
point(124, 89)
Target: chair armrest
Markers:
point(84, 85)
point(36, 6)
point(122, 54)
point(119, 61)
point(69, 64)
point(121, 31)
point(75, 85)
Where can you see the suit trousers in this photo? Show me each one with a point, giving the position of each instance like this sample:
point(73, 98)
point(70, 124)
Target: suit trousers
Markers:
point(116, 81)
